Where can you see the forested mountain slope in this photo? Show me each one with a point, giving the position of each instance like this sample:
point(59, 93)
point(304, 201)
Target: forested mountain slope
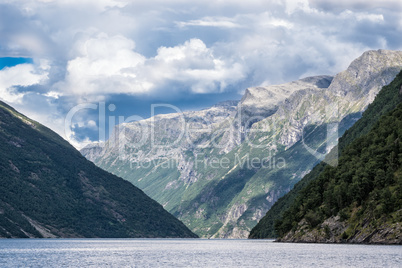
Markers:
point(360, 200)
point(48, 189)
point(387, 99)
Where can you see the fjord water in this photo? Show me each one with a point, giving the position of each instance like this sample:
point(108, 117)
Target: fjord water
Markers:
point(190, 253)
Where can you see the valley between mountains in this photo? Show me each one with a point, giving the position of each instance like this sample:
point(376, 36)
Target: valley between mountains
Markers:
point(219, 170)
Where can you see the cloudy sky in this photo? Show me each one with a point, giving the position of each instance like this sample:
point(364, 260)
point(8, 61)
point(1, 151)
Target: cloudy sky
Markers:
point(57, 54)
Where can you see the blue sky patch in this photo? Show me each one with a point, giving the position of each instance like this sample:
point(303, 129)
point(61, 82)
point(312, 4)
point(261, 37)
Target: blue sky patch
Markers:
point(10, 61)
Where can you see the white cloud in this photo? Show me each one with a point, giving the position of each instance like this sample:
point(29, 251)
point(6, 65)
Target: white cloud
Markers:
point(195, 66)
point(98, 4)
point(109, 65)
point(245, 21)
point(30, 42)
point(363, 16)
point(22, 75)
point(87, 124)
point(211, 22)
point(154, 48)
point(104, 65)
point(280, 23)
point(378, 18)
point(294, 5)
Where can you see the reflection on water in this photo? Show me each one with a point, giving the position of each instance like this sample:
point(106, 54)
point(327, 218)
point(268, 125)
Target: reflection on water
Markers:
point(190, 253)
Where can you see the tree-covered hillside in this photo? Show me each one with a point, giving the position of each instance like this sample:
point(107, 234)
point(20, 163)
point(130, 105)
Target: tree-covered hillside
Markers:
point(47, 189)
point(387, 99)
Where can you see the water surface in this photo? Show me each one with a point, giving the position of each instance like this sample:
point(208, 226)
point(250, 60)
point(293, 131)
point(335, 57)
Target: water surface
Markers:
point(190, 253)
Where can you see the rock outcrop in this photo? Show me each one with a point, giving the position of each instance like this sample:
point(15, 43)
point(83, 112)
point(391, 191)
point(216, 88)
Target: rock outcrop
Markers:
point(333, 230)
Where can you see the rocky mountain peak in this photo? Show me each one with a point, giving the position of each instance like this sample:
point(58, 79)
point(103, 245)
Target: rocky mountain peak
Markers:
point(224, 104)
point(269, 96)
point(367, 74)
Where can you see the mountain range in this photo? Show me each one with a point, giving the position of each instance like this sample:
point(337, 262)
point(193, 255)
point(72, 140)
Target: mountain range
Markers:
point(219, 170)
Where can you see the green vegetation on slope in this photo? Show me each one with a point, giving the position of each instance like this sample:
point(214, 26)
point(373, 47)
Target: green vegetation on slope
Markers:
point(266, 226)
point(366, 186)
point(47, 189)
point(229, 194)
point(387, 99)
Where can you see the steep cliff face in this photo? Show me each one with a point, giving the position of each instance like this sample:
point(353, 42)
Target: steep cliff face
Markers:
point(222, 176)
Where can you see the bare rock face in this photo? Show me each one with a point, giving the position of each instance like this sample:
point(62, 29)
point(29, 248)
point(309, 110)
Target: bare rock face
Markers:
point(259, 103)
point(92, 151)
point(365, 73)
point(333, 230)
point(264, 101)
point(199, 176)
